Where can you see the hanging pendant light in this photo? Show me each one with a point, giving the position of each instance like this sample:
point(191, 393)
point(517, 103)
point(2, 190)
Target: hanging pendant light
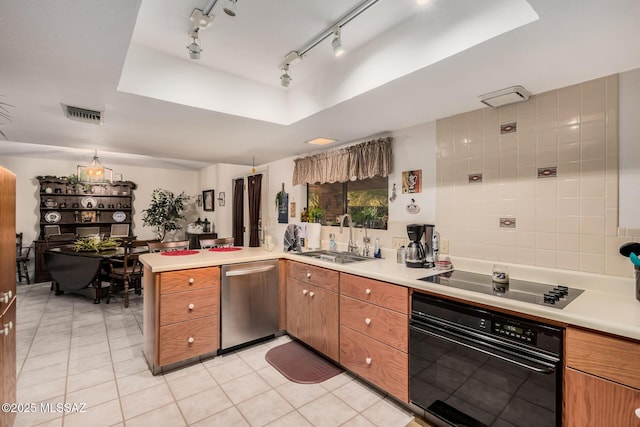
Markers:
point(95, 170)
point(253, 164)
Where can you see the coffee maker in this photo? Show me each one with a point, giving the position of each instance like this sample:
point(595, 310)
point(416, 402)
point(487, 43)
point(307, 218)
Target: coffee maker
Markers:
point(419, 253)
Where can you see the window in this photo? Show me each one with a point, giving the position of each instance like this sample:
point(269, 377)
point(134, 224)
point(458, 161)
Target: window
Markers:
point(366, 200)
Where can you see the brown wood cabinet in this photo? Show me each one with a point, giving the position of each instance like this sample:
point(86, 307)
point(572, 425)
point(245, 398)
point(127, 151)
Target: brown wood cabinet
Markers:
point(181, 316)
point(312, 307)
point(602, 380)
point(374, 330)
point(7, 293)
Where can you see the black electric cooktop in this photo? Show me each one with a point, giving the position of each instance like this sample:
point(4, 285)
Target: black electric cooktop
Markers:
point(557, 296)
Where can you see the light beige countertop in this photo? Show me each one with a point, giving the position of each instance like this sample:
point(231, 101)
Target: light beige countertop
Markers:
point(608, 303)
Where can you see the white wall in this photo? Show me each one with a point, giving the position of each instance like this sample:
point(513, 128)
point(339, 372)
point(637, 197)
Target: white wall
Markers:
point(147, 179)
point(630, 149)
point(414, 148)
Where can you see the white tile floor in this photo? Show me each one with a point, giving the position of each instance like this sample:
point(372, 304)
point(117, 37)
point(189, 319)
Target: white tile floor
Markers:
point(70, 350)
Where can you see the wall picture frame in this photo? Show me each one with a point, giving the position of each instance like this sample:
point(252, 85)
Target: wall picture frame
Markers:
point(412, 181)
point(207, 200)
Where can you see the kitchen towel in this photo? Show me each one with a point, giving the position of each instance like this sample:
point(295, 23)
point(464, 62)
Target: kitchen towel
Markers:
point(292, 237)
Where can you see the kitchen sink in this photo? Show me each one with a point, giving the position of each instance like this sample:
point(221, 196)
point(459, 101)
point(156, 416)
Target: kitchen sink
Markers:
point(333, 256)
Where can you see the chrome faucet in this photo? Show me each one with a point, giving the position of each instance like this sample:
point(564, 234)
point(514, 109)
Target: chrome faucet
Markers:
point(351, 246)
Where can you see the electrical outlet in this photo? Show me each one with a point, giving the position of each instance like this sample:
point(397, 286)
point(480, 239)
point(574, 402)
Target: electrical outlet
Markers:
point(396, 242)
point(444, 246)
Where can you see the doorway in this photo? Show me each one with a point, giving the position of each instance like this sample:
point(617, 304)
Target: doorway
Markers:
point(250, 201)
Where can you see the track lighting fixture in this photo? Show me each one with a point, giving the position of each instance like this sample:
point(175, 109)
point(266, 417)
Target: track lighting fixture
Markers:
point(335, 29)
point(336, 43)
point(230, 7)
point(285, 78)
point(194, 48)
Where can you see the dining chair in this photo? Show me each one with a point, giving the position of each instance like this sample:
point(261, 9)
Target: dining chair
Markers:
point(51, 229)
point(127, 270)
point(216, 243)
point(87, 231)
point(119, 230)
point(57, 238)
point(168, 246)
point(22, 259)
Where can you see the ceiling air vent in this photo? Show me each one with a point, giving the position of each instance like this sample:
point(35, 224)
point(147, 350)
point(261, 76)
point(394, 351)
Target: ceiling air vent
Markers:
point(505, 96)
point(83, 115)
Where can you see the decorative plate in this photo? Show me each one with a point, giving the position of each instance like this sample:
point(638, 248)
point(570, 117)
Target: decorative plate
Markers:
point(52, 216)
point(119, 216)
point(86, 200)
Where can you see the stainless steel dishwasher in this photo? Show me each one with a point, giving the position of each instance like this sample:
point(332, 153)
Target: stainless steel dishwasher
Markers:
point(249, 303)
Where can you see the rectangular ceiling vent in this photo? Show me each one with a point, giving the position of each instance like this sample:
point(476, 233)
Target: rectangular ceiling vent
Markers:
point(83, 115)
point(506, 96)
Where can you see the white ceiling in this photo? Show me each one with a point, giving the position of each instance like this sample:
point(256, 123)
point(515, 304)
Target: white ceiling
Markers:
point(405, 64)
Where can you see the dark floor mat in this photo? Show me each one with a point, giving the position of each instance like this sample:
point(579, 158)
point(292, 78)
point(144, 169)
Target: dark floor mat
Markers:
point(301, 365)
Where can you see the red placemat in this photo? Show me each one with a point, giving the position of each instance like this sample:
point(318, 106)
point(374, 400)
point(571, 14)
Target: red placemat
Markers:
point(225, 249)
point(178, 253)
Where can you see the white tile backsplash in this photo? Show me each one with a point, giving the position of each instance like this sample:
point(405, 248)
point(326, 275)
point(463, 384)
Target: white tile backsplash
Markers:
point(568, 221)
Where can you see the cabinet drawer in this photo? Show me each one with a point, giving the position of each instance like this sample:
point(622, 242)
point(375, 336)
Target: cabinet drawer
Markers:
point(390, 296)
point(378, 363)
point(188, 305)
point(174, 340)
point(184, 280)
point(593, 401)
point(604, 356)
point(322, 277)
point(380, 323)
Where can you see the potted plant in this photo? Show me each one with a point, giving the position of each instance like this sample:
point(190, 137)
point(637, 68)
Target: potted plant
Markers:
point(164, 212)
point(315, 214)
point(369, 216)
point(4, 114)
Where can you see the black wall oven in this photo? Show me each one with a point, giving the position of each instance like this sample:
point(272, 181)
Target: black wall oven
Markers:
point(475, 367)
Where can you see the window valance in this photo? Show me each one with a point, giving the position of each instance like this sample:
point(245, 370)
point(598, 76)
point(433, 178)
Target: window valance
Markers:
point(359, 161)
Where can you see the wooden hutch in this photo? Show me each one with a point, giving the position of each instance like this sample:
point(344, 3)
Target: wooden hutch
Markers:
point(75, 207)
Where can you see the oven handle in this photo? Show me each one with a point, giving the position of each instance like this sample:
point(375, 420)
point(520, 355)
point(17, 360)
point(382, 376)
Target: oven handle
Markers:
point(474, 345)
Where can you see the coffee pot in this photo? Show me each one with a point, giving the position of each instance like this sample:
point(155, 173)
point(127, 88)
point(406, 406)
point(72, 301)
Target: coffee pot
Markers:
point(418, 253)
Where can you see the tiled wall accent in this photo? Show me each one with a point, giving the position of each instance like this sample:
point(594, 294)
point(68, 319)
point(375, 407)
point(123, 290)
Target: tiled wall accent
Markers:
point(567, 221)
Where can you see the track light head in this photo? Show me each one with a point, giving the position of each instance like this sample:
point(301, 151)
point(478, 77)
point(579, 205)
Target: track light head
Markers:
point(285, 78)
point(200, 20)
point(194, 48)
point(336, 43)
point(230, 7)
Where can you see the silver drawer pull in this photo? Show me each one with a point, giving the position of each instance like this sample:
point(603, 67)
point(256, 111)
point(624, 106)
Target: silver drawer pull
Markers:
point(367, 321)
point(191, 340)
point(6, 297)
point(311, 294)
point(367, 291)
point(7, 328)
point(367, 361)
point(637, 411)
point(304, 292)
point(191, 306)
point(191, 280)
point(308, 275)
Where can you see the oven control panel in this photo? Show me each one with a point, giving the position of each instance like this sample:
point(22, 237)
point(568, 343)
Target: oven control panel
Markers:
point(514, 331)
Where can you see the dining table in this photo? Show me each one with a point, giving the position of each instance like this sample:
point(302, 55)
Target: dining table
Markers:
point(77, 270)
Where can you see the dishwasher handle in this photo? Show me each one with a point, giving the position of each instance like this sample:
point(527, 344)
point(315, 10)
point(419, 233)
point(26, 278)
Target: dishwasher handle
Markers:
point(247, 271)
